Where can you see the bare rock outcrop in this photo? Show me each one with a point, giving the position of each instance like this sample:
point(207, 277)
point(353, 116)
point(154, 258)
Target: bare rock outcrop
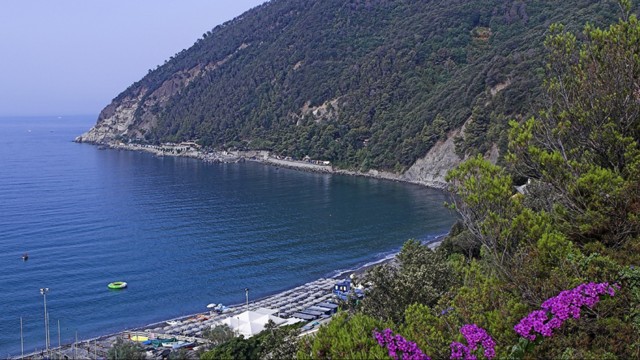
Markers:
point(114, 121)
point(132, 116)
point(432, 169)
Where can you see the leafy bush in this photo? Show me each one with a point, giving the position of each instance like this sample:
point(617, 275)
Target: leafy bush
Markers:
point(420, 276)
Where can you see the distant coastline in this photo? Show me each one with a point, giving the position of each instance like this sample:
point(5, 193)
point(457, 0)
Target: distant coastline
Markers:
point(192, 150)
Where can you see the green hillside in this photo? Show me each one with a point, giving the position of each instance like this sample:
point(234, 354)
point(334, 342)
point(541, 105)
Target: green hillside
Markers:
point(546, 270)
point(364, 84)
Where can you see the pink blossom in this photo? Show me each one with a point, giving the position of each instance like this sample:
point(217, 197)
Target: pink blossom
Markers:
point(567, 304)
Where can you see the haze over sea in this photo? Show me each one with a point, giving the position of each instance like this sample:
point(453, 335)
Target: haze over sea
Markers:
point(181, 232)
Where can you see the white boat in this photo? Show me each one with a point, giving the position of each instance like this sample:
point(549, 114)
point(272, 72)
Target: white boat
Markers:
point(182, 344)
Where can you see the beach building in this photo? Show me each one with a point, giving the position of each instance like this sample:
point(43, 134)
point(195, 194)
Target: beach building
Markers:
point(250, 323)
point(343, 289)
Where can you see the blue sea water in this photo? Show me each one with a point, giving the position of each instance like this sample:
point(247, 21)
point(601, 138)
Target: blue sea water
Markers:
point(181, 232)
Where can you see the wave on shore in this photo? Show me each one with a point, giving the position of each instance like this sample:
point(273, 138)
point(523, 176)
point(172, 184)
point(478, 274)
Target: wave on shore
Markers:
point(431, 240)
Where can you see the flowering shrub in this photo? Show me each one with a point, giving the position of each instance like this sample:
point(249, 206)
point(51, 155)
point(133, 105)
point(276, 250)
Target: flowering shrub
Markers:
point(398, 344)
point(563, 306)
point(567, 304)
point(474, 335)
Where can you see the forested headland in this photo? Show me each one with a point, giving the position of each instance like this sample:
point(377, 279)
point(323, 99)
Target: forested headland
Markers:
point(362, 84)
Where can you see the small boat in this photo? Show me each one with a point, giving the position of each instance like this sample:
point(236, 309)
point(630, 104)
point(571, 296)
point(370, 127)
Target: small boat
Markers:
point(169, 342)
point(219, 308)
point(182, 344)
point(116, 285)
point(25, 257)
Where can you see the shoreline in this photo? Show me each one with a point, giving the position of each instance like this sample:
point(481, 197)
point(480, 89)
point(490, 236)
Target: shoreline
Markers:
point(313, 292)
point(191, 150)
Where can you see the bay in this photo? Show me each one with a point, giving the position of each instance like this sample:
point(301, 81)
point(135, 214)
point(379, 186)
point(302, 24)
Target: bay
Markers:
point(181, 232)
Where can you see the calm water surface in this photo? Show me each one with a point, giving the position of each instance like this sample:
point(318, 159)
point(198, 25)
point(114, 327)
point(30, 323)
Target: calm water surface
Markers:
point(182, 233)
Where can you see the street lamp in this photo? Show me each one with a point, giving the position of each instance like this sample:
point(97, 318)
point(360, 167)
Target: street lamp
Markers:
point(44, 292)
point(246, 291)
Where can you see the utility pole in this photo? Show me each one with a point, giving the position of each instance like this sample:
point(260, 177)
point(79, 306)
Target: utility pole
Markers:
point(21, 340)
point(44, 292)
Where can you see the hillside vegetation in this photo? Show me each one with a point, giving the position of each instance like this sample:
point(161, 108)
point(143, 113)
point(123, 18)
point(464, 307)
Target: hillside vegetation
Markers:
point(363, 84)
point(549, 271)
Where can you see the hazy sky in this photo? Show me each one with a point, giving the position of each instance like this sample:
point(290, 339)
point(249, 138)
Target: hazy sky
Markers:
point(68, 57)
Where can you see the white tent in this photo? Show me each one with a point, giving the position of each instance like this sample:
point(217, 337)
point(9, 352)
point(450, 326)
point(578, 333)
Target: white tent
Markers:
point(250, 323)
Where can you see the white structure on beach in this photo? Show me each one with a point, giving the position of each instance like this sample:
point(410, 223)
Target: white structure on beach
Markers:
point(250, 323)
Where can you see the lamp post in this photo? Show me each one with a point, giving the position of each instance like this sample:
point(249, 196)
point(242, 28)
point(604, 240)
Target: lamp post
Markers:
point(246, 292)
point(44, 292)
point(21, 339)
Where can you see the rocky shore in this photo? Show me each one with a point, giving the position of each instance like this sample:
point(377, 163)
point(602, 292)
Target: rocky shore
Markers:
point(191, 150)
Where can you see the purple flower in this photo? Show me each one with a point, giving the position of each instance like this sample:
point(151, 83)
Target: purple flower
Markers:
point(475, 336)
point(459, 351)
point(446, 311)
point(397, 344)
point(567, 304)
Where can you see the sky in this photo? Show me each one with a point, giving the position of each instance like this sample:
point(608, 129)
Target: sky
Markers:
point(72, 57)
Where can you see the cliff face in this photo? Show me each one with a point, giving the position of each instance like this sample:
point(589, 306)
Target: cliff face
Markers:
point(118, 120)
point(432, 168)
point(113, 123)
point(368, 85)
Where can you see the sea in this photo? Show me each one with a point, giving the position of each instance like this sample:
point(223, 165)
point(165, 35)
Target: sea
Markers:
point(181, 232)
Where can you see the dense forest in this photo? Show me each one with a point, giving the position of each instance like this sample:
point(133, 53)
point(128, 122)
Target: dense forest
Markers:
point(365, 84)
